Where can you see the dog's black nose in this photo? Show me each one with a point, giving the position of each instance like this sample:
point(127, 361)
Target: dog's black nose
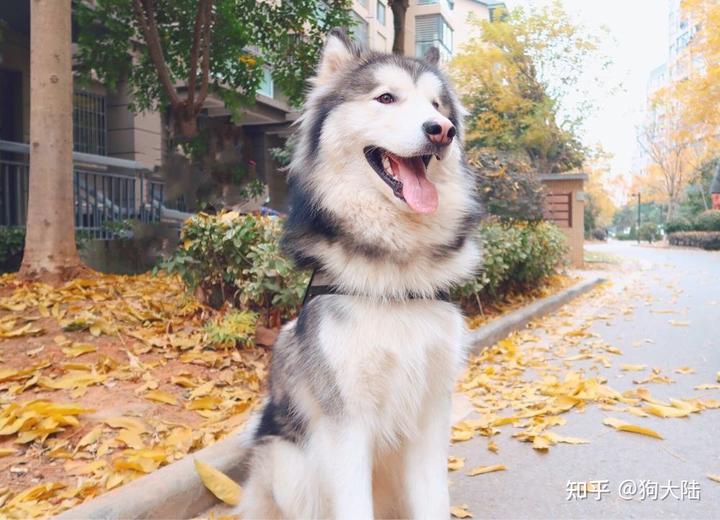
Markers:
point(432, 128)
point(439, 132)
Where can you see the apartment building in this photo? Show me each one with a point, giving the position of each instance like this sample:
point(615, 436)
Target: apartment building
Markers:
point(445, 24)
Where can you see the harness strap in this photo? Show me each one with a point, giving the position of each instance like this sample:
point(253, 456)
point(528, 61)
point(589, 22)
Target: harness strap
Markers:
point(316, 287)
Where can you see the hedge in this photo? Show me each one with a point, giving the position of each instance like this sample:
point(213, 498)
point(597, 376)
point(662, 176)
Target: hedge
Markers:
point(708, 221)
point(709, 240)
point(516, 257)
point(236, 258)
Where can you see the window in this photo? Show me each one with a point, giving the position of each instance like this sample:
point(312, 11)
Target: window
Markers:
point(433, 31)
point(449, 4)
point(359, 28)
point(363, 3)
point(267, 87)
point(380, 12)
point(89, 123)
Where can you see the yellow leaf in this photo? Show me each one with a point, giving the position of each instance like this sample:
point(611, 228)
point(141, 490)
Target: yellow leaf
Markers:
point(4, 452)
point(129, 423)
point(632, 428)
point(707, 387)
point(684, 370)
point(218, 483)
point(78, 349)
point(540, 443)
point(455, 463)
point(460, 512)
point(90, 437)
point(462, 435)
point(161, 397)
point(555, 438)
point(183, 381)
point(481, 470)
point(72, 380)
point(114, 480)
point(632, 368)
point(202, 390)
point(636, 411)
point(204, 403)
point(716, 478)
point(492, 447)
point(131, 439)
point(7, 373)
point(665, 411)
point(677, 323)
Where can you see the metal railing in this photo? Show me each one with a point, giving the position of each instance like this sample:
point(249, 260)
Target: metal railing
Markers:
point(108, 192)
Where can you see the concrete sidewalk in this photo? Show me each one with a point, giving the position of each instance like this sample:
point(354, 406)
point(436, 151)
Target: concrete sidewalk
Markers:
point(662, 310)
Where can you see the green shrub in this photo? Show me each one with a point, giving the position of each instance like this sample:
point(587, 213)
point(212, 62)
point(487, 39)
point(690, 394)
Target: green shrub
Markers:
point(515, 257)
point(678, 224)
point(512, 196)
point(236, 258)
point(649, 232)
point(708, 221)
point(709, 240)
point(12, 245)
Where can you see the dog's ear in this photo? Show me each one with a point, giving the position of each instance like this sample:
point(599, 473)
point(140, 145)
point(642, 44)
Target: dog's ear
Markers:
point(338, 53)
point(432, 56)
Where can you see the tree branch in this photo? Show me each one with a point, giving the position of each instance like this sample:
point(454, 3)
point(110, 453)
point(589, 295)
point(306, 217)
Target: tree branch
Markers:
point(146, 19)
point(205, 66)
point(195, 51)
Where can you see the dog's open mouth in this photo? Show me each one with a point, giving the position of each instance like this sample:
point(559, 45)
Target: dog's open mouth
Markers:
point(407, 176)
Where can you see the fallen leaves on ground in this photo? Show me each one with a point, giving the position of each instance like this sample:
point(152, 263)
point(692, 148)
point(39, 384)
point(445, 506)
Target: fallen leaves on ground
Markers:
point(455, 463)
point(532, 379)
point(632, 428)
point(460, 512)
point(219, 484)
point(481, 470)
point(106, 379)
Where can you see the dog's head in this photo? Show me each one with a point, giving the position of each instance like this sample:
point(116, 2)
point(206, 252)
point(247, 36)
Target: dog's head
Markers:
point(380, 199)
point(380, 124)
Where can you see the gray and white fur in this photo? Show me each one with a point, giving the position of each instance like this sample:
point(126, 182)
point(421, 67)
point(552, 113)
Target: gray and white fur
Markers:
point(357, 420)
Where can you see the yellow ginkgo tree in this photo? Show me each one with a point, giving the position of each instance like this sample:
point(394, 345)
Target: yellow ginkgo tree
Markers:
point(519, 78)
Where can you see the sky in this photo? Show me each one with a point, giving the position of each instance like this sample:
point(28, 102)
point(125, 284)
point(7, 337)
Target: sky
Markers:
point(638, 43)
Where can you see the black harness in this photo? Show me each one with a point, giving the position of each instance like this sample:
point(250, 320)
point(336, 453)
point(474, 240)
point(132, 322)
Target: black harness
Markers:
point(316, 287)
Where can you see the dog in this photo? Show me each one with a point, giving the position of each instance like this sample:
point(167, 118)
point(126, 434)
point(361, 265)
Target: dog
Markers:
point(383, 210)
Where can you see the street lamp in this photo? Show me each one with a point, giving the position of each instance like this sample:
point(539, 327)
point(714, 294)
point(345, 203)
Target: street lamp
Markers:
point(637, 233)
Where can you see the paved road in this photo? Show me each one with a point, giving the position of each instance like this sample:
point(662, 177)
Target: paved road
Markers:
point(650, 282)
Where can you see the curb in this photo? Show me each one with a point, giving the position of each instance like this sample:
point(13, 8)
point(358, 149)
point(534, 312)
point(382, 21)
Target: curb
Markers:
point(171, 492)
point(488, 335)
point(175, 491)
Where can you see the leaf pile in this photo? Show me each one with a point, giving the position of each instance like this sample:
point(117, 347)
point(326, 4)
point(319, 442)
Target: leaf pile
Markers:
point(108, 378)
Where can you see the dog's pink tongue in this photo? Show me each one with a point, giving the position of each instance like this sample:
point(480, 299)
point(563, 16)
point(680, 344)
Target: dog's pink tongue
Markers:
point(419, 193)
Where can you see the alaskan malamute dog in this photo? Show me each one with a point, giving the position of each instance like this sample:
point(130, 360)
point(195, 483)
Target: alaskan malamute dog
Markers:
point(358, 417)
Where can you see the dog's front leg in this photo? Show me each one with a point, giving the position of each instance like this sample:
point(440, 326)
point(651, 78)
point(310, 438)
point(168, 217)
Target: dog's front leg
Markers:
point(426, 482)
point(348, 460)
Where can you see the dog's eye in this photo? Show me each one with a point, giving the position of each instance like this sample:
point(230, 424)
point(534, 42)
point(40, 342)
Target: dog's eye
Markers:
point(385, 99)
point(436, 104)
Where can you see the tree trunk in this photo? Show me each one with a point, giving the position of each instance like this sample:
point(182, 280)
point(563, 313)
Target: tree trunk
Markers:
point(399, 10)
point(50, 250)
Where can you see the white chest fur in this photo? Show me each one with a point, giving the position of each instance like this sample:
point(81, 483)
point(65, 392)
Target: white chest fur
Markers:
point(391, 360)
